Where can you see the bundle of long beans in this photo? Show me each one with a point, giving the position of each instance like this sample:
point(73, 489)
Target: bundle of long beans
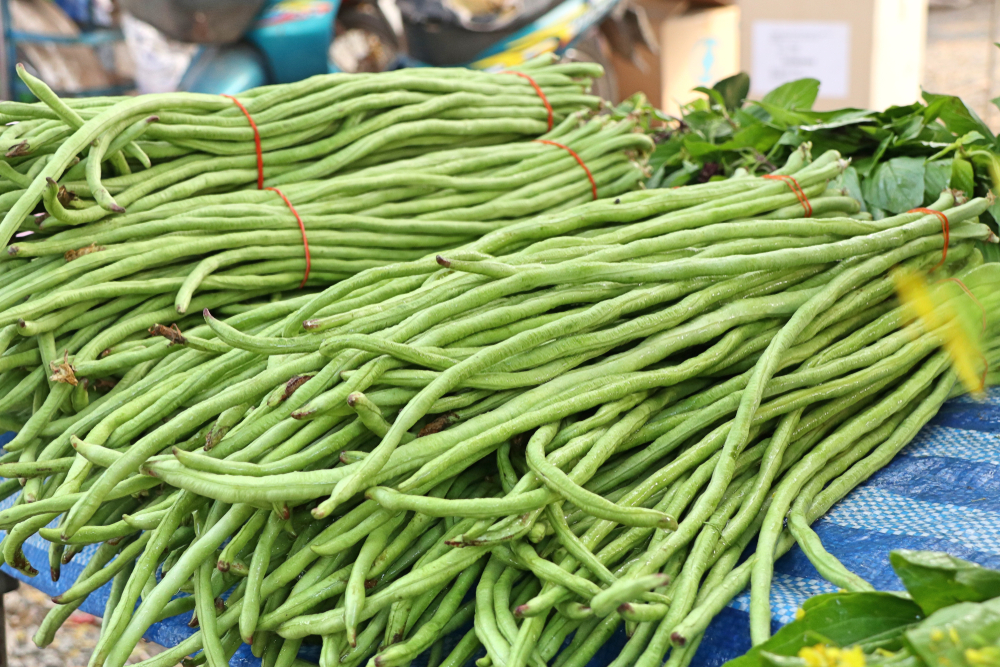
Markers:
point(586, 416)
point(169, 148)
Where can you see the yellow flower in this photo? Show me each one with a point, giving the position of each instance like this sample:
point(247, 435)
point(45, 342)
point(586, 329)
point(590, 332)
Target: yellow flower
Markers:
point(989, 655)
point(936, 635)
point(800, 613)
point(934, 310)
point(831, 656)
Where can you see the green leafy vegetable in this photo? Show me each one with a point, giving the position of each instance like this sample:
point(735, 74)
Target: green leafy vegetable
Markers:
point(967, 633)
point(936, 580)
point(839, 619)
point(896, 186)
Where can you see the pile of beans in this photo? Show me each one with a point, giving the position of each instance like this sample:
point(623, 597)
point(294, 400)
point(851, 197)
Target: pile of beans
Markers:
point(578, 420)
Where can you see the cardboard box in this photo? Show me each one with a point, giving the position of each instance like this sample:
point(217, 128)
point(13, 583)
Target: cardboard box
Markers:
point(698, 49)
point(865, 53)
point(696, 45)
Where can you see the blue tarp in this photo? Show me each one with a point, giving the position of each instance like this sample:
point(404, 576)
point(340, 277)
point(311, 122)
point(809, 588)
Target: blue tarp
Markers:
point(942, 493)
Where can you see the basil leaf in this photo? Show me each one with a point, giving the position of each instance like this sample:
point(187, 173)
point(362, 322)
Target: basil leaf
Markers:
point(714, 95)
point(895, 186)
point(956, 116)
point(962, 176)
point(734, 90)
point(849, 181)
point(800, 94)
point(937, 176)
point(838, 619)
point(937, 580)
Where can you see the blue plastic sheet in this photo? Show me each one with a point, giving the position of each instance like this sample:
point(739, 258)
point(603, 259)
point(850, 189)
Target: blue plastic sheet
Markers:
point(942, 493)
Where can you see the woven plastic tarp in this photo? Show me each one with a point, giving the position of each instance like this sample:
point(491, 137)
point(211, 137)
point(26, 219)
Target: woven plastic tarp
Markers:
point(942, 493)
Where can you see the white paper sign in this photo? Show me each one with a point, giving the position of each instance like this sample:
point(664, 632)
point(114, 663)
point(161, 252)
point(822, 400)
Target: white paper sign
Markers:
point(787, 50)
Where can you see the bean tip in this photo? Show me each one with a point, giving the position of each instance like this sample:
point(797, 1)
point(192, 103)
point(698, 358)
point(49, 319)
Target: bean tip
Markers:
point(352, 398)
point(310, 324)
point(678, 639)
point(12, 250)
point(222, 566)
point(668, 522)
point(520, 609)
point(207, 314)
point(51, 181)
point(318, 513)
point(152, 119)
point(443, 262)
point(117, 209)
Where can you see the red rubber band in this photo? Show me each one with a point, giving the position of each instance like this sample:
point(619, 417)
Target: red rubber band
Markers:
point(302, 226)
point(256, 141)
point(579, 160)
point(971, 296)
point(794, 186)
point(538, 89)
point(945, 229)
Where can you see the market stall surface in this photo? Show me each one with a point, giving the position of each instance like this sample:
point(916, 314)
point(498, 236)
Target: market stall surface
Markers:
point(941, 493)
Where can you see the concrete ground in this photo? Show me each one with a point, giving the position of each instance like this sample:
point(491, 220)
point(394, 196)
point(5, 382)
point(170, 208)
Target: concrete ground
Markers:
point(959, 48)
point(26, 607)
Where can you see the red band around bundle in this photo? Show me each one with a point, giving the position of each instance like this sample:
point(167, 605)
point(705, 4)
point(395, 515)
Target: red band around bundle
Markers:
point(971, 296)
point(945, 229)
point(579, 160)
point(256, 141)
point(538, 89)
point(302, 227)
point(794, 186)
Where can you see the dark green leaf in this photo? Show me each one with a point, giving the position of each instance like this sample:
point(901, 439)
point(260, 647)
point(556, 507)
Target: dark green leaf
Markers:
point(734, 90)
point(667, 152)
point(759, 137)
point(895, 186)
point(956, 116)
point(947, 635)
point(849, 181)
point(991, 251)
point(838, 619)
point(846, 116)
point(962, 178)
point(937, 175)
point(697, 148)
point(784, 117)
point(713, 95)
point(751, 112)
point(800, 94)
point(936, 580)
point(908, 130)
